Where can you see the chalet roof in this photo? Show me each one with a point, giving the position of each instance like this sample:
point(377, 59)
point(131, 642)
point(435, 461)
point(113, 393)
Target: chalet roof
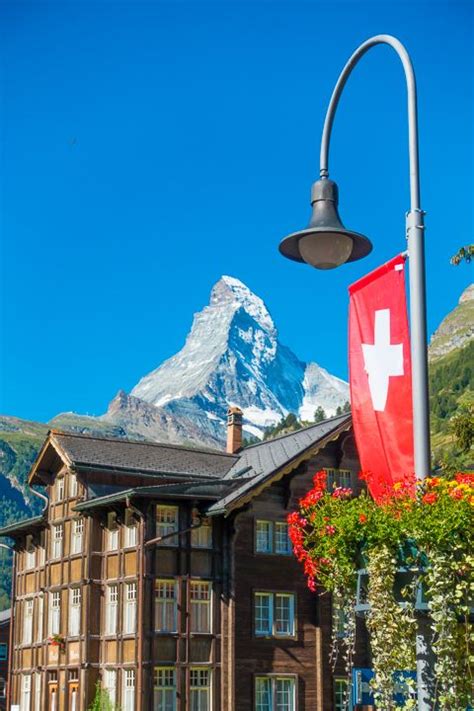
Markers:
point(205, 491)
point(85, 451)
point(261, 461)
point(26, 525)
point(221, 480)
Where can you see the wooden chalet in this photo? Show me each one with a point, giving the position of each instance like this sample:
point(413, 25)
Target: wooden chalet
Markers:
point(164, 574)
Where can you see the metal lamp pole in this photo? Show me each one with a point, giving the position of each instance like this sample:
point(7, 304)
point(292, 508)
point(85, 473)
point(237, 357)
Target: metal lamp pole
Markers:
point(327, 230)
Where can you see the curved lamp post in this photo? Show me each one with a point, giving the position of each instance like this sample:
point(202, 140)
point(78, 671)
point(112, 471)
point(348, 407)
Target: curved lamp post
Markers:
point(326, 244)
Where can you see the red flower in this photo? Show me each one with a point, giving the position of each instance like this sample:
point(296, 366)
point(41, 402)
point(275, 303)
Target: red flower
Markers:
point(430, 498)
point(330, 530)
point(362, 518)
point(311, 584)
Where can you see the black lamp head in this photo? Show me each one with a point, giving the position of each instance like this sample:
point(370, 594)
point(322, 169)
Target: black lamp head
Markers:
point(325, 243)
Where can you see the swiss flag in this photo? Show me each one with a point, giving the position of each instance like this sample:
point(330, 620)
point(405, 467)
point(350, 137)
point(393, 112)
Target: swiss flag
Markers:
point(380, 376)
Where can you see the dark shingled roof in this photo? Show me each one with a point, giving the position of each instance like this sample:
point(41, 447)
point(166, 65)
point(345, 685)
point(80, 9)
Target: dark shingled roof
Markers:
point(258, 462)
point(26, 525)
point(149, 458)
point(206, 491)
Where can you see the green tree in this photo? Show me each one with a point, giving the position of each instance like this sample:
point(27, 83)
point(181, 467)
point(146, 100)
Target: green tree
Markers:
point(101, 701)
point(346, 407)
point(319, 414)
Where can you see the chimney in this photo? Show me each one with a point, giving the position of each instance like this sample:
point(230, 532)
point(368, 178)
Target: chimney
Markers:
point(234, 430)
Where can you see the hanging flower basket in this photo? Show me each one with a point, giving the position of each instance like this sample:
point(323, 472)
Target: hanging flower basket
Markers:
point(56, 641)
point(411, 551)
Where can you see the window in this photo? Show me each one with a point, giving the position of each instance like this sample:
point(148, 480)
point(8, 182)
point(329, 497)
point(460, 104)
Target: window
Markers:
point(272, 537)
point(340, 694)
point(54, 612)
point(200, 689)
point(39, 621)
point(73, 675)
point(130, 530)
point(30, 553)
point(274, 614)
point(59, 488)
point(166, 523)
point(200, 597)
point(164, 689)
point(130, 608)
point(275, 693)
point(25, 704)
point(128, 699)
point(57, 547)
point(166, 606)
point(27, 637)
point(112, 533)
point(338, 477)
point(37, 691)
point(111, 609)
point(110, 685)
point(75, 612)
point(201, 537)
point(42, 548)
point(3, 687)
point(72, 486)
point(264, 537)
point(3, 652)
point(282, 541)
point(77, 535)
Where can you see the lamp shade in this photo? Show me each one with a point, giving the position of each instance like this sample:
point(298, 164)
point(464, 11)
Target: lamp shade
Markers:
point(325, 243)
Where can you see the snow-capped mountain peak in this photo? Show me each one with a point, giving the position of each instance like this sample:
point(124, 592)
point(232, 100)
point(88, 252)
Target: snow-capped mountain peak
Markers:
point(232, 355)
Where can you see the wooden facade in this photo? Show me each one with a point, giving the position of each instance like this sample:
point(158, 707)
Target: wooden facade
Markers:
point(143, 586)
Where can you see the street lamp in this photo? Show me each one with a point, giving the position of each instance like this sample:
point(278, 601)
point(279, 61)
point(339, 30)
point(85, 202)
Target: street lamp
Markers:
point(326, 244)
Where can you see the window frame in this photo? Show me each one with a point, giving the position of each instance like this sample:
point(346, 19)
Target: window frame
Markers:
point(198, 687)
point(108, 673)
point(130, 608)
point(197, 538)
point(57, 541)
point(77, 549)
point(336, 478)
point(128, 674)
point(27, 626)
point(30, 553)
point(74, 612)
point(130, 531)
point(111, 605)
point(163, 528)
point(273, 538)
point(274, 678)
point(336, 681)
point(59, 489)
point(72, 486)
point(164, 602)
point(54, 612)
point(164, 687)
point(198, 603)
point(272, 596)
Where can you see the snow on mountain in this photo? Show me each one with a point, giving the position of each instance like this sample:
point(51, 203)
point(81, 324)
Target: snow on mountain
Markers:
point(232, 356)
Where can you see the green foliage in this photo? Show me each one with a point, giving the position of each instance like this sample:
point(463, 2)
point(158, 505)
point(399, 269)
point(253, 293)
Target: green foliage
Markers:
point(319, 414)
point(10, 512)
point(451, 406)
point(429, 529)
point(101, 701)
point(345, 408)
point(463, 254)
point(290, 423)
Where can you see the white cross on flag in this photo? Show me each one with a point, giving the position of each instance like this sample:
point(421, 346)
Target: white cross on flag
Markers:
point(380, 376)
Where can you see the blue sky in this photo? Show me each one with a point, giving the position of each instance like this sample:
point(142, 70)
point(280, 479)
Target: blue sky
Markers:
point(149, 147)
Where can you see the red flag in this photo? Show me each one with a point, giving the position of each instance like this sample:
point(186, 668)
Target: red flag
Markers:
point(380, 376)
